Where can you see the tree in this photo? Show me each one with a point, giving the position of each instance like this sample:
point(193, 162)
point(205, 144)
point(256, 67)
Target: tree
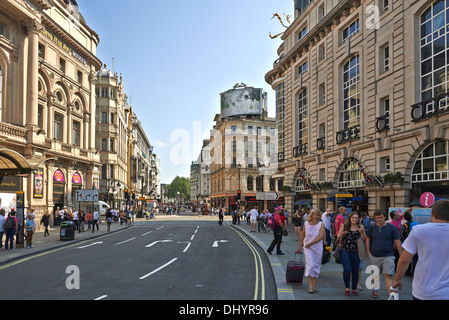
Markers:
point(179, 184)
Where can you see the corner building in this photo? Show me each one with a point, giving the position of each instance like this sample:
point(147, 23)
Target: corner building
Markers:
point(363, 84)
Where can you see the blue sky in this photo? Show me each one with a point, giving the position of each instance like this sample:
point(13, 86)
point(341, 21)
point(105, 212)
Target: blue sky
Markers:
point(176, 57)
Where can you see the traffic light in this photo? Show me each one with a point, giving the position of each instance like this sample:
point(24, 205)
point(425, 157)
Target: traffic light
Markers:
point(126, 194)
point(239, 194)
point(134, 195)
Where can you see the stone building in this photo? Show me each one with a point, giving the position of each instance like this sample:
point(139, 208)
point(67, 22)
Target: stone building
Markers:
point(361, 91)
point(47, 101)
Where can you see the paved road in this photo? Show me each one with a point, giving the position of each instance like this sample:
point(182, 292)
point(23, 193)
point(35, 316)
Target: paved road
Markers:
point(154, 260)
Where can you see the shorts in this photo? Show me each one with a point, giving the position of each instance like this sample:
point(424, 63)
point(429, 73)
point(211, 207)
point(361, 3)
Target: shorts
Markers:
point(253, 220)
point(385, 264)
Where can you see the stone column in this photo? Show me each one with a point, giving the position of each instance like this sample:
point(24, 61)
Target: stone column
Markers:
point(33, 74)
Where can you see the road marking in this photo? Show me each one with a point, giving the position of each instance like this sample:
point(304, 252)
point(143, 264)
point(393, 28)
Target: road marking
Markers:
point(197, 229)
point(257, 262)
point(125, 241)
point(101, 298)
point(192, 237)
point(188, 245)
point(215, 245)
point(158, 269)
point(146, 233)
point(160, 228)
point(90, 245)
point(155, 242)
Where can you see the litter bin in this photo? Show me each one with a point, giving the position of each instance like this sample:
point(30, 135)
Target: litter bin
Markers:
point(67, 231)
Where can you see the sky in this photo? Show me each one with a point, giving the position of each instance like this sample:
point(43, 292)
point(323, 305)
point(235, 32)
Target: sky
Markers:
point(176, 57)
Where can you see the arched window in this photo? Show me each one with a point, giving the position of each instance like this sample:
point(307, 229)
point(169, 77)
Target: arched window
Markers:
point(302, 117)
point(432, 164)
point(351, 176)
point(434, 36)
point(351, 93)
point(249, 182)
point(259, 183)
point(280, 118)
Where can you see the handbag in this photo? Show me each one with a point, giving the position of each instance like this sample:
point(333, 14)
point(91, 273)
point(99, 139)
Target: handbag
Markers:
point(361, 248)
point(337, 253)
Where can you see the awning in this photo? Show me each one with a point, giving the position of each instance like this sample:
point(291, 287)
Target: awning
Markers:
point(13, 163)
point(303, 203)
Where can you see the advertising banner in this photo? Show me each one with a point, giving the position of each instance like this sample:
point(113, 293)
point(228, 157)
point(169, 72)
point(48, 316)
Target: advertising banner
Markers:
point(246, 101)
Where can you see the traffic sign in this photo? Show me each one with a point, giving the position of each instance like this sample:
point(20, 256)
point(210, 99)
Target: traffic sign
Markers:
point(427, 199)
point(86, 195)
point(267, 196)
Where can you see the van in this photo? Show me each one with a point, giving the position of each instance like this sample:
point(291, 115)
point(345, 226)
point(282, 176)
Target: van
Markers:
point(102, 207)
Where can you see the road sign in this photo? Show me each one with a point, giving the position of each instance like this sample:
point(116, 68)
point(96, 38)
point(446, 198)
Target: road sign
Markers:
point(267, 196)
point(427, 199)
point(86, 196)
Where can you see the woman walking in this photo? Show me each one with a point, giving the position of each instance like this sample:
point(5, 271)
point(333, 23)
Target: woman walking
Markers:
point(312, 237)
point(348, 234)
point(45, 220)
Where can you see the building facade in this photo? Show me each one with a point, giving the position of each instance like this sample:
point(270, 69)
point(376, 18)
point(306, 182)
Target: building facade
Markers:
point(242, 155)
point(111, 136)
point(47, 99)
point(361, 100)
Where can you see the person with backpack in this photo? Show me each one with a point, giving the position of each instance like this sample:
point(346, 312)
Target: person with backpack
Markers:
point(275, 223)
point(11, 229)
point(2, 230)
point(30, 228)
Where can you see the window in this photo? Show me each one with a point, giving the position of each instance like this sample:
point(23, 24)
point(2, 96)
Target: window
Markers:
point(302, 33)
point(234, 129)
point(80, 77)
point(385, 164)
point(104, 117)
point(385, 104)
point(351, 176)
point(250, 130)
point(351, 93)
point(62, 65)
point(249, 182)
point(104, 92)
point(302, 68)
point(111, 145)
point(58, 127)
point(40, 116)
point(104, 146)
point(352, 29)
point(434, 52)
point(432, 164)
point(280, 116)
point(302, 117)
point(385, 58)
point(385, 5)
point(2, 29)
point(321, 12)
point(76, 133)
point(321, 52)
point(41, 51)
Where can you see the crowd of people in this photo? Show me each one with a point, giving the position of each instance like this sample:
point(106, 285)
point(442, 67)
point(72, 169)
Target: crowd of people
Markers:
point(392, 246)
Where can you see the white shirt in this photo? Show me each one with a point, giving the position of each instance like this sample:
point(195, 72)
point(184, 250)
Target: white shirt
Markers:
point(431, 242)
point(327, 220)
point(254, 214)
point(75, 215)
point(95, 216)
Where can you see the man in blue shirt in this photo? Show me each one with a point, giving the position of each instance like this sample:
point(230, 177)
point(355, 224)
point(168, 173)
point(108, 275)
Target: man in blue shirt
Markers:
point(382, 239)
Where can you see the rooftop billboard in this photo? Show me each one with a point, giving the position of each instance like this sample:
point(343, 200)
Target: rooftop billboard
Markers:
point(245, 101)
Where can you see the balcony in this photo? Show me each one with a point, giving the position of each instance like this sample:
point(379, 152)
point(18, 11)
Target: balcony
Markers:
point(430, 108)
point(300, 150)
point(383, 123)
point(321, 143)
point(349, 134)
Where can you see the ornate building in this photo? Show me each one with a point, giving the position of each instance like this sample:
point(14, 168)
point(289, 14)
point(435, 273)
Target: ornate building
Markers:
point(362, 92)
point(47, 100)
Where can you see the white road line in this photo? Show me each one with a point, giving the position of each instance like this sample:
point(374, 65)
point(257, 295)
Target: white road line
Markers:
point(146, 233)
point(101, 298)
point(90, 245)
point(188, 245)
point(160, 228)
point(158, 269)
point(160, 241)
point(192, 237)
point(125, 241)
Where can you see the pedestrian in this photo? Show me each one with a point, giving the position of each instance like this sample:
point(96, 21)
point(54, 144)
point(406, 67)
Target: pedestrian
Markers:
point(278, 232)
point(109, 219)
point(312, 237)
point(95, 217)
point(297, 221)
point(327, 220)
point(11, 229)
point(75, 219)
point(45, 220)
point(254, 214)
point(340, 219)
point(30, 228)
point(220, 217)
point(2, 230)
point(382, 239)
point(395, 219)
point(349, 234)
point(431, 279)
point(89, 219)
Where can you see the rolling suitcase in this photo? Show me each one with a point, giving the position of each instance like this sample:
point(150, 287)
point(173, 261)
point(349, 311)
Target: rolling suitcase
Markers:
point(295, 271)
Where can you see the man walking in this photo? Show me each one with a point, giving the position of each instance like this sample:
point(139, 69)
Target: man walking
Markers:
point(278, 232)
point(431, 277)
point(254, 214)
point(382, 239)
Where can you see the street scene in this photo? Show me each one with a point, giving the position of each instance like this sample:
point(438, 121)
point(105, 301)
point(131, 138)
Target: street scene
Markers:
point(246, 151)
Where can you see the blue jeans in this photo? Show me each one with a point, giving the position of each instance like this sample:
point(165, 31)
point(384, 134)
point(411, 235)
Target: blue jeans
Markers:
point(9, 238)
point(351, 264)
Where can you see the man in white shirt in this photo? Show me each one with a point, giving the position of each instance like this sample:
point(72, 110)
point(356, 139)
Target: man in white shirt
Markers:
point(254, 214)
point(431, 242)
point(75, 219)
point(95, 218)
point(326, 217)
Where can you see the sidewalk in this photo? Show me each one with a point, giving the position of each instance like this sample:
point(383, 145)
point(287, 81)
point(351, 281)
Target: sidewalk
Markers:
point(41, 243)
point(330, 283)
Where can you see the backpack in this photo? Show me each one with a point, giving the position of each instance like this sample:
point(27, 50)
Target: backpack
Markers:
point(272, 222)
point(9, 224)
point(404, 232)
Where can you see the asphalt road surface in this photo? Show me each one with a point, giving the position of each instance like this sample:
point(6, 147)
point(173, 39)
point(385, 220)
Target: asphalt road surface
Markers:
point(157, 260)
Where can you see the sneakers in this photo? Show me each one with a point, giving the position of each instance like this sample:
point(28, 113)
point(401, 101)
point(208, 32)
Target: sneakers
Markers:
point(375, 294)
